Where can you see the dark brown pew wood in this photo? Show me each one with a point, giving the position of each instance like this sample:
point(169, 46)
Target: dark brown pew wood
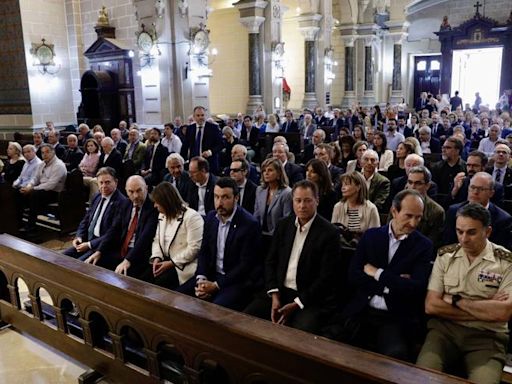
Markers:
point(248, 349)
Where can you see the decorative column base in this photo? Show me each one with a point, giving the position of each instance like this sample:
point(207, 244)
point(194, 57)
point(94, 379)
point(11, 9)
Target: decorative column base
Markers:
point(254, 102)
point(369, 98)
point(349, 99)
point(310, 101)
point(396, 96)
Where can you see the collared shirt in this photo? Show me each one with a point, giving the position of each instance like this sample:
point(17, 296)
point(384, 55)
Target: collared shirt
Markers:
point(489, 273)
point(378, 302)
point(502, 174)
point(241, 190)
point(132, 241)
point(100, 216)
point(394, 139)
point(50, 176)
point(222, 235)
point(27, 173)
point(425, 147)
point(369, 180)
point(131, 149)
point(173, 144)
point(290, 280)
point(201, 192)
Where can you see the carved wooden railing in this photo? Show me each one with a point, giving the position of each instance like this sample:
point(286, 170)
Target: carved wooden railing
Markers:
point(133, 332)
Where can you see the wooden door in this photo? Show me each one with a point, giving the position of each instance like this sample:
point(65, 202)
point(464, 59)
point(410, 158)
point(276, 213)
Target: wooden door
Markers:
point(427, 75)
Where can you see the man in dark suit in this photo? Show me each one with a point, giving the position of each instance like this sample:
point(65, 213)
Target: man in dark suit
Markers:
point(388, 277)
point(456, 101)
point(337, 122)
point(250, 134)
point(201, 186)
point(428, 143)
point(99, 218)
point(480, 191)
point(154, 161)
point(500, 171)
point(444, 171)
point(475, 163)
point(438, 130)
point(127, 245)
point(302, 266)
point(294, 172)
point(119, 143)
point(203, 139)
point(289, 125)
point(53, 140)
point(110, 157)
point(177, 175)
point(228, 257)
point(247, 189)
point(309, 150)
point(73, 154)
point(402, 127)
point(325, 152)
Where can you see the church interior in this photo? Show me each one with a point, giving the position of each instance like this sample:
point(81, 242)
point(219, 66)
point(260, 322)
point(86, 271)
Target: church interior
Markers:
point(151, 62)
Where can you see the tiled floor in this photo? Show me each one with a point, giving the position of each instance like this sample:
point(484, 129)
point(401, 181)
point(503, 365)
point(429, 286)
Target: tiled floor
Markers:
point(24, 360)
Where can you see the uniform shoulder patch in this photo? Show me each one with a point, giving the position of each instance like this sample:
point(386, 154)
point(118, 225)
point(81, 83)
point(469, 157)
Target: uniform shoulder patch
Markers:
point(503, 253)
point(450, 248)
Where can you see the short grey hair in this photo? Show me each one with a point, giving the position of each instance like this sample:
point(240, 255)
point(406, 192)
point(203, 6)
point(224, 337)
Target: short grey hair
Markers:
point(175, 156)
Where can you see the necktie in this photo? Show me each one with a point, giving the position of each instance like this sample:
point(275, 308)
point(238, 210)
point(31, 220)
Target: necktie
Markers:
point(90, 231)
point(131, 232)
point(497, 175)
point(197, 149)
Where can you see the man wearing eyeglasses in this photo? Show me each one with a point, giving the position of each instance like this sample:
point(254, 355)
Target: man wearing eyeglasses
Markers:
point(480, 190)
point(500, 172)
point(246, 188)
point(432, 222)
point(445, 170)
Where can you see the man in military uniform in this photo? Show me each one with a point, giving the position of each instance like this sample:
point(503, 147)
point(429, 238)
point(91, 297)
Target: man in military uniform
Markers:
point(470, 297)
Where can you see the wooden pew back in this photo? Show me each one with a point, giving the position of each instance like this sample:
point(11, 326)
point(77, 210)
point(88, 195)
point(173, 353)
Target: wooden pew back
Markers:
point(203, 338)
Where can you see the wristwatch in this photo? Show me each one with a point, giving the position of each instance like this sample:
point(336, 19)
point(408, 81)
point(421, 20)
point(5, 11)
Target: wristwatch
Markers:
point(455, 300)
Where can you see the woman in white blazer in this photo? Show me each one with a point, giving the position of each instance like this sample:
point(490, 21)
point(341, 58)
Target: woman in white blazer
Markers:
point(177, 239)
point(386, 156)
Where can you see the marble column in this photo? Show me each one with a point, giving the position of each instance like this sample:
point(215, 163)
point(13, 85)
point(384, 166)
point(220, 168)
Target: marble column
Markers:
point(309, 27)
point(251, 17)
point(397, 67)
point(369, 71)
point(349, 97)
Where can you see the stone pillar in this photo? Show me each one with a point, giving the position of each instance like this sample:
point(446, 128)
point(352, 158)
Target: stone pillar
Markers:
point(369, 71)
point(251, 17)
point(308, 25)
point(397, 34)
point(350, 59)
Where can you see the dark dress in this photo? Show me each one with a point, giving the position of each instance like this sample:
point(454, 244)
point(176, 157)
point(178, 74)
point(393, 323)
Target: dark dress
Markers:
point(12, 171)
point(394, 171)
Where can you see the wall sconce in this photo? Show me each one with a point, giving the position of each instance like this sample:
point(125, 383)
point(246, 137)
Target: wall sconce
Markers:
point(277, 58)
point(148, 47)
point(42, 58)
point(329, 65)
point(201, 55)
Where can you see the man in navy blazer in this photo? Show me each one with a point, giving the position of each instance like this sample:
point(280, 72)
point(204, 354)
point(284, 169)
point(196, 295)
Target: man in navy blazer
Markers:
point(154, 161)
point(127, 244)
point(228, 259)
point(480, 190)
point(210, 144)
point(289, 125)
point(110, 157)
point(201, 185)
point(100, 217)
point(388, 278)
point(302, 266)
point(294, 172)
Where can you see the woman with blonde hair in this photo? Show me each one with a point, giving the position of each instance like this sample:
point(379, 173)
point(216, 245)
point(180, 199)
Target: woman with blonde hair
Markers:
point(355, 212)
point(15, 162)
point(177, 239)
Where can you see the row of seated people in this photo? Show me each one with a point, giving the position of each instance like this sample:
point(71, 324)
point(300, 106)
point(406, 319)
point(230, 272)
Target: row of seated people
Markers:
point(374, 299)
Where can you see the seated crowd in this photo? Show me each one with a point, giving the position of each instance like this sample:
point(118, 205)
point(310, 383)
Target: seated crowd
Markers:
point(389, 231)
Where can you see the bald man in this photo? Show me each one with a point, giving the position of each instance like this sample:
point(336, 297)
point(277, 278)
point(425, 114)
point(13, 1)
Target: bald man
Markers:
point(127, 245)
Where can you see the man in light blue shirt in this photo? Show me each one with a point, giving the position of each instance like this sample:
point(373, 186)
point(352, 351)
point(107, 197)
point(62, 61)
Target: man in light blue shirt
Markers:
point(29, 169)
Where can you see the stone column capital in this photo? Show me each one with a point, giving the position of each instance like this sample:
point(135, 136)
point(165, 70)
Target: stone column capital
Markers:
point(309, 25)
point(252, 23)
point(349, 40)
point(250, 4)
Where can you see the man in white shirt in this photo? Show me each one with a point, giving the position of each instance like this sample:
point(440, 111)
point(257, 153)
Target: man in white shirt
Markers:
point(171, 141)
point(302, 267)
point(43, 188)
point(487, 144)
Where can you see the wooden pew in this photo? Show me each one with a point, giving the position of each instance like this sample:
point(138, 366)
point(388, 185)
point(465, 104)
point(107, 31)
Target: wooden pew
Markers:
point(134, 332)
point(9, 221)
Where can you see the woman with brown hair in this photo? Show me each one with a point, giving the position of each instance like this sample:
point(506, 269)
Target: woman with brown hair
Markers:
point(355, 212)
point(177, 239)
point(273, 196)
point(346, 144)
point(397, 169)
point(317, 172)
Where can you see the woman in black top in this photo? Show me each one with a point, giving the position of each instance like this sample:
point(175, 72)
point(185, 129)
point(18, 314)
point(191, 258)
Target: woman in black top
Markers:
point(14, 164)
point(318, 173)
